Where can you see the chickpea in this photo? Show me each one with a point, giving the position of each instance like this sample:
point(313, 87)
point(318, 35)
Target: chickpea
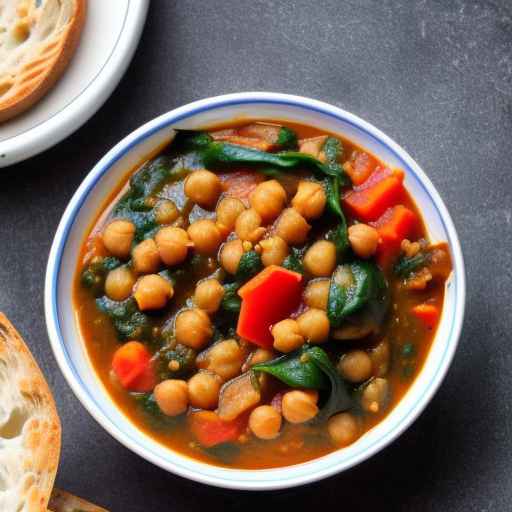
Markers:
point(355, 366)
point(203, 390)
point(268, 199)
point(228, 211)
point(265, 422)
point(320, 259)
point(363, 239)
point(375, 395)
point(299, 406)
point(206, 236)
point(193, 328)
point(292, 227)
point(261, 355)
point(119, 283)
point(166, 212)
point(230, 255)
point(208, 295)
point(172, 396)
point(172, 244)
point(343, 429)
point(203, 188)
point(273, 251)
point(146, 258)
point(314, 325)
point(248, 226)
point(152, 292)
point(380, 356)
point(225, 358)
point(316, 294)
point(310, 199)
point(287, 335)
point(118, 238)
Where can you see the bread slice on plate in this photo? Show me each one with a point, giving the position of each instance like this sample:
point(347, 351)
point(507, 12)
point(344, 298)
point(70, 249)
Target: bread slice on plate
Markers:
point(37, 41)
point(30, 433)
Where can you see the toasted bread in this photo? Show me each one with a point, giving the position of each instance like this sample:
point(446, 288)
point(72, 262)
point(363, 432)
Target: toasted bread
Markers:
point(30, 433)
point(37, 40)
point(62, 501)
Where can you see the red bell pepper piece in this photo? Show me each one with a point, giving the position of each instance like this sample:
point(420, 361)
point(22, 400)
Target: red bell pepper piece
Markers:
point(267, 298)
point(210, 430)
point(427, 313)
point(383, 189)
point(132, 365)
point(395, 225)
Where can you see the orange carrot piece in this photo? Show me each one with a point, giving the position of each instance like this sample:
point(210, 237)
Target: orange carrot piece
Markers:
point(383, 189)
point(240, 183)
point(210, 430)
point(427, 313)
point(396, 224)
point(132, 365)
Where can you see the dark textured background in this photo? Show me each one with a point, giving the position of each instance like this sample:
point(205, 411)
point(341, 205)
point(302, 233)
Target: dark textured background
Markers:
point(434, 75)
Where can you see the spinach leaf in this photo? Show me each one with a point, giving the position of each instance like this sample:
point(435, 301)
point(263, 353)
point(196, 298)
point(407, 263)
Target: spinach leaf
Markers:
point(250, 264)
point(223, 153)
point(354, 286)
point(128, 321)
point(293, 261)
point(183, 361)
point(339, 237)
point(231, 302)
point(339, 399)
point(295, 369)
point(287, 139)
point(406, 266)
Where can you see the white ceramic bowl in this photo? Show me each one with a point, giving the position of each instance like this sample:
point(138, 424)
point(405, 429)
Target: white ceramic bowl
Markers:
point(94, 191)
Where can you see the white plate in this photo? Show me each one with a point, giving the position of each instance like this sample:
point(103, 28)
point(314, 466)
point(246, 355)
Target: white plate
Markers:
point(110, 36)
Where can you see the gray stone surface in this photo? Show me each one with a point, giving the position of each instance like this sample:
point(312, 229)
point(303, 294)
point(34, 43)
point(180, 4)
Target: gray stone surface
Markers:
point(437, 77)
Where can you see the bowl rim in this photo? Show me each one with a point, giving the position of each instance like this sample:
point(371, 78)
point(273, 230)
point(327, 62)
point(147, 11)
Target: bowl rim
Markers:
point(228, 479)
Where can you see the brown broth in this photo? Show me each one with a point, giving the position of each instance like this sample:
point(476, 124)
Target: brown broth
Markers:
point(297, 443)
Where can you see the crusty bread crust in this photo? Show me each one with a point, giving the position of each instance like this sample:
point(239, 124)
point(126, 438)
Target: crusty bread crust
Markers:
point(62, 501)
point(22, 87)
point(30, 432)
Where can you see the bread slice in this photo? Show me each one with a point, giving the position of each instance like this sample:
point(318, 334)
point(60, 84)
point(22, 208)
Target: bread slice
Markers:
point(62, 501)
point(37, 40)
point(30, 433)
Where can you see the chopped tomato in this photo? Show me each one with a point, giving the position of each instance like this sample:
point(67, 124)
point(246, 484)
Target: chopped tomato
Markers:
point(240, 183)
point(132, 365)
point(270, 296)
point(396, 224)
point(210, 430)
point(383, 189)
point(427, 313)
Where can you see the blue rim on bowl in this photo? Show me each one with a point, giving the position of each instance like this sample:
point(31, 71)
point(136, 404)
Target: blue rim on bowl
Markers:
point(181, 465)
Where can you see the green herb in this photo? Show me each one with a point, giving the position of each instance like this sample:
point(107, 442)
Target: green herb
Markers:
point(128, 321)
point(184, 356)
point(293, 261)
point(93, 277)
point(287, 139)
point(339, 399)
point(339, 237)
point(408, 350)
point(250, 264)
point(354, 286)
point(406, 266)
point(231, 302)
point(296, 369)
point(225, 452)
